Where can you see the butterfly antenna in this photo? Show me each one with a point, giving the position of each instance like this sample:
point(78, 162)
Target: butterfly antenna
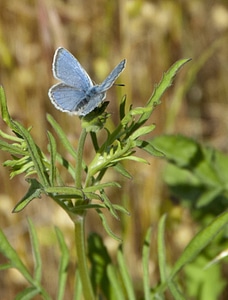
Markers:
point(119, 84)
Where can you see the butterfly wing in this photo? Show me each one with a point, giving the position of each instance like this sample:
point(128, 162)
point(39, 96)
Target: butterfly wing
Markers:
point(109, 81)
point(67, 69)
point(66, 98)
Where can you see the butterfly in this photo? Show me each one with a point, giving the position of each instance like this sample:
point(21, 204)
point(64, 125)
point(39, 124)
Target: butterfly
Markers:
point(76, 93)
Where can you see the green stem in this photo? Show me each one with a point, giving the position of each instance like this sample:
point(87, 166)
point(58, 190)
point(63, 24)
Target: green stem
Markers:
point(78, 170)
point(81, 255)
point(79, 226)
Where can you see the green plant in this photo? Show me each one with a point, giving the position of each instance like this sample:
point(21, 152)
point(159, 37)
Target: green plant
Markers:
point(44, 178)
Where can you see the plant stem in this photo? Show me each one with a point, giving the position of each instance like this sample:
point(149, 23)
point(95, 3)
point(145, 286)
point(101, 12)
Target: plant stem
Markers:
point(81, 255)
point(78, 170)
point(79, 226)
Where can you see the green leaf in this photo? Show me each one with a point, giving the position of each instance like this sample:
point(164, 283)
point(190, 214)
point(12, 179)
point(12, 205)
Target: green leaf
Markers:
point(142, 131)
point(122, 107)
point(35, 191)
point(115, 283)
point(109, 205)
point(101, 186)
point(199, 242)
point(64, 191)
point(4, 109)
point(77, 287)
point(174, 291)
point(7, 250)
point(53, 152)
point(36, 252)
point(161, 249)
point(62, 136)
point(125, 275)
point(35, 154)
point(120, 169)
point(106, 226)
point(145, 261)
point(64, 263)
point(12, 149)
point(208, 196)
point(178, 149)
point(159, 90)
point(99, 259)
point(28, 293)
point(149, 147)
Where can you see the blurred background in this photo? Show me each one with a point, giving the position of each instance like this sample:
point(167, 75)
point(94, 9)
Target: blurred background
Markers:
point(151, 35)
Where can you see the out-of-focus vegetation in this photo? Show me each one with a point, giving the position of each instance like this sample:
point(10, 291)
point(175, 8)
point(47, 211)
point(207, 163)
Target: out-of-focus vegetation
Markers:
point(152, 35)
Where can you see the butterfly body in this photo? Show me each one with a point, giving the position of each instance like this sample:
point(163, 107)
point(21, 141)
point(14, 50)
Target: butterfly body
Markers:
point(76, 93)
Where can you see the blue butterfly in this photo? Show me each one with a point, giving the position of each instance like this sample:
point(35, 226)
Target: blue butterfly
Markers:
point(76, 93)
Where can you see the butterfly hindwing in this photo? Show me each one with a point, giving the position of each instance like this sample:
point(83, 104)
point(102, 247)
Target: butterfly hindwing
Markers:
point(66, 98)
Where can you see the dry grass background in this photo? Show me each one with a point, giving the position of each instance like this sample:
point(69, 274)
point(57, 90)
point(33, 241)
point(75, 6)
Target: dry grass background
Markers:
point(152, 35)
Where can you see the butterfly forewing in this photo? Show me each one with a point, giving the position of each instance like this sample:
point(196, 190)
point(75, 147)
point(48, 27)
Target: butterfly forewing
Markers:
point(68, 69)
point(109, 81)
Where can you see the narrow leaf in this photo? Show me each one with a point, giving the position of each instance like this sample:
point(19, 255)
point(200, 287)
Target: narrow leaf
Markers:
point(120, 168)
point(35, 154)
point(64, 262)
point(7, 250)
point(115, 283)
point(27, 294)
point(36, 252)
point(53, 152)
point(199, 242)
point(161, 249)
point(62, 136)
point(145, 261)
point(175, 292)
point(125, 276)
point(106, 226)
point(142, 131)
point(35, 191)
